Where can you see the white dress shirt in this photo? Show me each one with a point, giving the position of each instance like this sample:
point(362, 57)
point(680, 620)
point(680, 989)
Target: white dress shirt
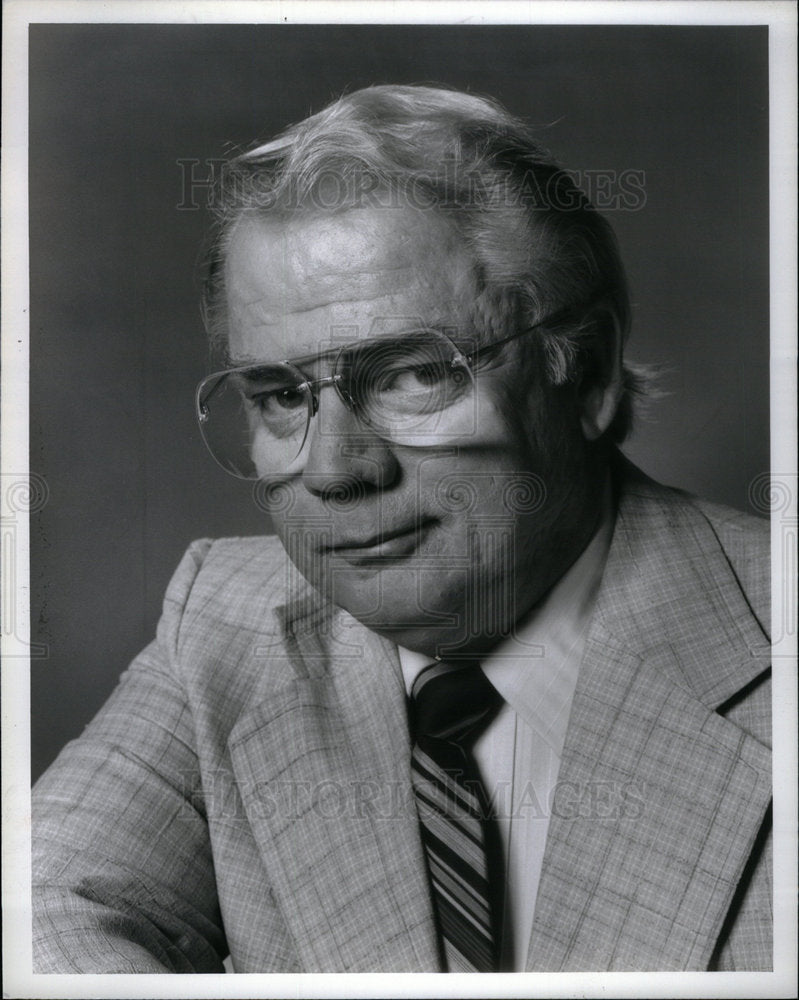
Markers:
point(535, 670)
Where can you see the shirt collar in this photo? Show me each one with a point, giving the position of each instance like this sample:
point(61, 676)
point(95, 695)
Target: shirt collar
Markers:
point(535, 668)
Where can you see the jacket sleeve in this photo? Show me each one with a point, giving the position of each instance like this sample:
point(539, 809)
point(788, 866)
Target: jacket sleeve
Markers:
point(123, 877)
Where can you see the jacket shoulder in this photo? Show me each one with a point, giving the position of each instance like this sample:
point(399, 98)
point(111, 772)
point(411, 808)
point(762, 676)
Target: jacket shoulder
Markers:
point(227, 568)
point(742, 539)
point(746, 542)
point(223, 587)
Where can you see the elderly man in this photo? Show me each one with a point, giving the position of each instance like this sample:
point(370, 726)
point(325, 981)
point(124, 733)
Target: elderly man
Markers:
point(498, 701)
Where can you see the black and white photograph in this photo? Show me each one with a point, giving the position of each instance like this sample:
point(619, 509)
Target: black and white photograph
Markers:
point(399, 499)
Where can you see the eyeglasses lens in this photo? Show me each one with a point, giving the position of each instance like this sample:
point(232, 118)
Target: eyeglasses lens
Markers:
point(254, 420)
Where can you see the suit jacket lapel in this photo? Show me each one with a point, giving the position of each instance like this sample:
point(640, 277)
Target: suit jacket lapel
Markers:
point(323, 768)
point(659, 797)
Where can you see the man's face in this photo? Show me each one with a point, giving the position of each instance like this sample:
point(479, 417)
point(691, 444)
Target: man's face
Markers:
point(442, 544)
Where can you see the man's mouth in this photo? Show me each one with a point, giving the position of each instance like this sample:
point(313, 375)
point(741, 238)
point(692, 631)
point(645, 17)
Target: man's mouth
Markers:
point(391, 544)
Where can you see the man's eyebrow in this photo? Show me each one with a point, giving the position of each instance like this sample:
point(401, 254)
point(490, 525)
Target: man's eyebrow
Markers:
point(250, 373)
point(250, 361)
point(246, 361)
point(464, 341)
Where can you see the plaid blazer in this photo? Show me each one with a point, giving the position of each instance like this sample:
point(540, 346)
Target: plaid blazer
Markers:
point(246, 788)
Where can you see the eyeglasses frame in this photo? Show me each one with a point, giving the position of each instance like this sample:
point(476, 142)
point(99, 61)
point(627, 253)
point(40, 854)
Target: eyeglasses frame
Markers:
point(311, 385)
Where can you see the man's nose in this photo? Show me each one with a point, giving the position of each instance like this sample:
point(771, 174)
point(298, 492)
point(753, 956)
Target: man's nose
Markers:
point(344, 457)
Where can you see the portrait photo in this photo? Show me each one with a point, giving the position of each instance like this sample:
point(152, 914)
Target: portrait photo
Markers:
point(403, 569)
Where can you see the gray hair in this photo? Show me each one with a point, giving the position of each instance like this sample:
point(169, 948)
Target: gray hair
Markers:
point(540, 248)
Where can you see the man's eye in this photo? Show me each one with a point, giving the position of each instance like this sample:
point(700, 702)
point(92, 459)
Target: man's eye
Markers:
point(412, 379)
point(277, 400)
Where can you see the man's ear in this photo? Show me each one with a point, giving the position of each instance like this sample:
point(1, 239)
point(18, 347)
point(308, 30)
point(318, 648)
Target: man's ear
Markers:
point(601, 384)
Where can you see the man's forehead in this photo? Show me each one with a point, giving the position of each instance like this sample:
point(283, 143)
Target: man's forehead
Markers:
point(355, 274)
point(358, 243)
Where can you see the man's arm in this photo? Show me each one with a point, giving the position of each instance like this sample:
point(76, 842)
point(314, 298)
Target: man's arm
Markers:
point(123, 877)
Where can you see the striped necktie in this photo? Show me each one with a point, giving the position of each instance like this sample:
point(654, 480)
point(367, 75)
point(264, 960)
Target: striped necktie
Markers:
point(451, 703)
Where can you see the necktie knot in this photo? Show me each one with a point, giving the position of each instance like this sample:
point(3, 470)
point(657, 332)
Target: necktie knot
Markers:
point(451, 701)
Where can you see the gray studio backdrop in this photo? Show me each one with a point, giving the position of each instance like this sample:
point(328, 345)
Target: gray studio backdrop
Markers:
point(680, 114)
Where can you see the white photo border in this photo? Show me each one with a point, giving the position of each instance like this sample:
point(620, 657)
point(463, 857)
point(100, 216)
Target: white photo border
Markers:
point(17, 15)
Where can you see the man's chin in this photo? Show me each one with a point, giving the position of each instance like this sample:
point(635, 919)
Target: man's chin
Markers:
point(408, 605)
point(382, 592)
